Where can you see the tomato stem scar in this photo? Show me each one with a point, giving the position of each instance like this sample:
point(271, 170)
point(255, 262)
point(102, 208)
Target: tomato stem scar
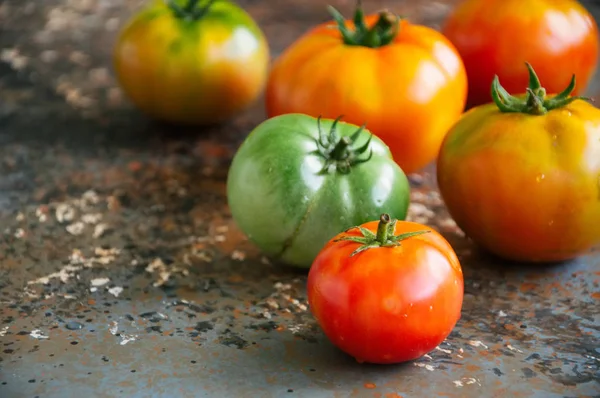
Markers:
point(535, 101)
point(384, 238)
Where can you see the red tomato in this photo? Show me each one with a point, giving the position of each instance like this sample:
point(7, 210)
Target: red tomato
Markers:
point(495, 37)
point(405, 81)
point(386, 292)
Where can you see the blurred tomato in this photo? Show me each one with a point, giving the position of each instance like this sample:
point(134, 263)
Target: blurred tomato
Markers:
point(495, 37)
point(190, 61)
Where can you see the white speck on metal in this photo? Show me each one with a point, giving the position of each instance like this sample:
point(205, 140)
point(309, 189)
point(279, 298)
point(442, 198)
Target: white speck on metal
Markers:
point(37, 334)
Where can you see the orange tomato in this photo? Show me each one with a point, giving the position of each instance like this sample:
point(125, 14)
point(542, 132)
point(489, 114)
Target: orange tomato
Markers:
point(495, 37)
point(405, 81)
point(191, 62)
point(521, 176)
point(386, 292)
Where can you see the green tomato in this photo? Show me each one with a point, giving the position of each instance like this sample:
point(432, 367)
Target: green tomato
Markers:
point(296, 181)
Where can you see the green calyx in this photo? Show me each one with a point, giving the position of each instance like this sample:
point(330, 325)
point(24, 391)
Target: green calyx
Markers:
point(192, 10)
point(535, 101)
point(384, 238)
point(339, 151)
point(380, 34)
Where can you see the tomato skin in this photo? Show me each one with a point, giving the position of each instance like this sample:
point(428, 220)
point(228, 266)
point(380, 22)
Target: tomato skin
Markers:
point(280, 201)
point(559, 38)
point(192, 72)
point(408, 92)
point(525, 187)
point(388, 304)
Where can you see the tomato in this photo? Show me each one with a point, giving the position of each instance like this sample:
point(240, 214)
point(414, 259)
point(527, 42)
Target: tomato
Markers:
point(296, 181)
point(405, 81)
point(521, 176)
point(495, 37)
point(193, 62)
point(386, 292)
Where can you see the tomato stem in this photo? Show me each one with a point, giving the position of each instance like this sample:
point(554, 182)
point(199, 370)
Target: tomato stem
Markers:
point(339, 151)
point(380, 34)
point(385, 236)
point(536, 102)
point(191, 10)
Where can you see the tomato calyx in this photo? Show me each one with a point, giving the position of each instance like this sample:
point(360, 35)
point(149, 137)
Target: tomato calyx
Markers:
point(339, 151)
point(535, 101)
point(384, 238)
point(192, 10)
point(380, 34)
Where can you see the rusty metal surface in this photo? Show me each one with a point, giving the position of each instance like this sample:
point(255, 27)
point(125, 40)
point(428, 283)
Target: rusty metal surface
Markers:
point(122, 273)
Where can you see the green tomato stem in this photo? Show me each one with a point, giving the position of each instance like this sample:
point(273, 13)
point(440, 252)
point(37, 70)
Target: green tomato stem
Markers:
point(380, 34)
point(384, 238)
point(191, 10)
point(340, 151)
point(383, 228)
point(535, 102)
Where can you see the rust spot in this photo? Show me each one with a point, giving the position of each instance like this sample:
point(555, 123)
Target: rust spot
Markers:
point(526, 287)
point(134, 166)
point(596, 295)
point(370, 385)
point(392, 395)
point(473, 368)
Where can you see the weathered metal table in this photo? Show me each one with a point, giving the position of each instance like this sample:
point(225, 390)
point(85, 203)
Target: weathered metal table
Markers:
point(122, 274)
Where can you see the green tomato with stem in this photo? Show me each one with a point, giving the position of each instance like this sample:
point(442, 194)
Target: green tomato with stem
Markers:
point(296, 181)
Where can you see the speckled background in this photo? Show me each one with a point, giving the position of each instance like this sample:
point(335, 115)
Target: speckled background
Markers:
point(123, 275)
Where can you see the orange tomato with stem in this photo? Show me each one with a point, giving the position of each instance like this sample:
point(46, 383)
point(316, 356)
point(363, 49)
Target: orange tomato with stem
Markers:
point(386, 292)
point(521, 175)
point(495, 37)
point(191, 61)
point(405, 81)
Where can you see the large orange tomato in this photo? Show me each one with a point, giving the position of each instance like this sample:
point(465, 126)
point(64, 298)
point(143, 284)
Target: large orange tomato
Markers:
point(495, 37)
point(521, 176)
point(405, 81)
point(386, 292)
point(191, 61)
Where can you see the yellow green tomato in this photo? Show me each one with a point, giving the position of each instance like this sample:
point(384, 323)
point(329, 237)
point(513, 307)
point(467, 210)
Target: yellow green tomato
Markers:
point(191, 61)
point(296, 181)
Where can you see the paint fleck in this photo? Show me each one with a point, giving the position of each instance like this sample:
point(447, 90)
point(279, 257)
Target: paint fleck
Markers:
point(127, 338)
point(370, 385)
point(114, 328)
point(510, 347)
point(238, 255)
point(115, 291)
point(426, 366)
point(37, 334)
point(3, 331)
point(99, 281)
point(477, 343)
point(76, 228)
point(164, 273)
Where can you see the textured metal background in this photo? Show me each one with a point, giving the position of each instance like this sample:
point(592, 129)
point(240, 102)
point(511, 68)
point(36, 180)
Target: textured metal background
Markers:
point(122, 274)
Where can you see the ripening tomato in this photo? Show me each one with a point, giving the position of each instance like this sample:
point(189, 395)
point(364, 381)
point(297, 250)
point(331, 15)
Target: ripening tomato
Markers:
point(495, 37)
point(297, 180)
point(521, 176)
point(190, 61)
point(405, 81)
point(386, 292)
